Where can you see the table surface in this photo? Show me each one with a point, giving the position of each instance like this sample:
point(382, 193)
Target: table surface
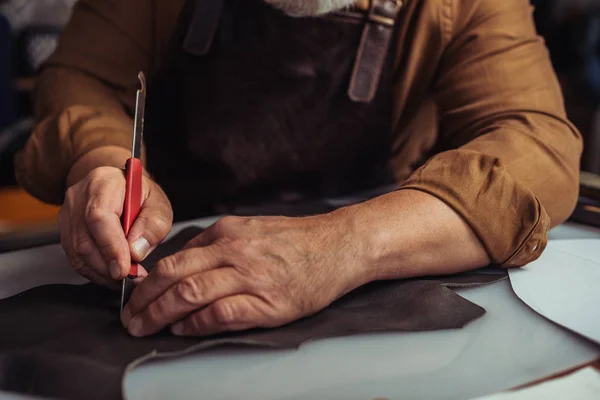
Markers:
point(509, 346)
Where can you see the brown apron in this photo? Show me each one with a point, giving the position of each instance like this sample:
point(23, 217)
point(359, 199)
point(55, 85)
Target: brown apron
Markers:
point(251, 105)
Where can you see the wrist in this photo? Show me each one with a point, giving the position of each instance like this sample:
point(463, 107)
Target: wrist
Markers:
point(106, 156)
point(355, 237)
point(409, 233)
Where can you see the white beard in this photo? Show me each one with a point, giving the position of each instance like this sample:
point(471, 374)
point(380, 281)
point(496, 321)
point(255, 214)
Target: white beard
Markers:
point(304, 8)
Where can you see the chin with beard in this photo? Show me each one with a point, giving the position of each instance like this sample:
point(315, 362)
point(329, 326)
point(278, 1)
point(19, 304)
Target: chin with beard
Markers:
point(305, 8)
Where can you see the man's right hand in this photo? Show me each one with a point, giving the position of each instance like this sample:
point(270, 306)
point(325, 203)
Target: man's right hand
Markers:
point(90, 226)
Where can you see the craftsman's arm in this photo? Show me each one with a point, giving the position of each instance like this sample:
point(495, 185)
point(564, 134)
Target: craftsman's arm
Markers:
point(511, 171)
point(85, 93)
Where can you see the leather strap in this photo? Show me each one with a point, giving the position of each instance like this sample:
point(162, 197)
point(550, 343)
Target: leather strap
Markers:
point(202, 27)
point(374, 44)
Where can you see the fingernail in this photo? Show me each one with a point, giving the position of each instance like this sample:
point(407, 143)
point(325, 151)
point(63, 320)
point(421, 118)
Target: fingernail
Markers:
point(115, 269)
point(125, 316)
point(141, 247)
point(177, 328)
point(135, 326)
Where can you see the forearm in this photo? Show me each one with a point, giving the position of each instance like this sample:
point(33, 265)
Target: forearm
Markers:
point(410, 233)
point(69, 127)
point(85, 94)
point(111, 156)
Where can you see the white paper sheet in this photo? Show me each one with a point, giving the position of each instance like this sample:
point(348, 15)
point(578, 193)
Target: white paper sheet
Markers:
point(581, 385)
point(564, 285)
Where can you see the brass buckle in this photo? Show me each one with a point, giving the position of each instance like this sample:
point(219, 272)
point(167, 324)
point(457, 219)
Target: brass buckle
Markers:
point(385, 13)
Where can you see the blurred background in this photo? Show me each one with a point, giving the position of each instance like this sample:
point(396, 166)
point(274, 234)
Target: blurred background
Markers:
point(29, 31)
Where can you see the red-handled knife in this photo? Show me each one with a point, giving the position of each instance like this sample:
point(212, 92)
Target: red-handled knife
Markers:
point(133, 176)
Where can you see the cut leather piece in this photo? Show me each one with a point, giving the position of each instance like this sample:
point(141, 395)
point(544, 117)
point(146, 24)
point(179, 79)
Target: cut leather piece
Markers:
point(471, 279)
point(61, 340)
point(66, 341)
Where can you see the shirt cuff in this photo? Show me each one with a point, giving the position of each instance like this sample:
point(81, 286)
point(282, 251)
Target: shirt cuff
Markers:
point(508, 219)
point(41, 167)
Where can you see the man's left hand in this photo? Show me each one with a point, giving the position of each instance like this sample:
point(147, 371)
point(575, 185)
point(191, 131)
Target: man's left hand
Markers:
point(243, 273)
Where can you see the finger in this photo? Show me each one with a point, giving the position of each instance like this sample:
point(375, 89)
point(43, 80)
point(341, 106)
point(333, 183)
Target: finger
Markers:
point(67, 244)
point(86, 258)
point(152, 225)
point(185, 296)
point(92, 267)
point(168, 272)
point(105, 229)
point(234, 313)
point(96, 264)
point(142, 273)
point(84, 248)
point(82, 269)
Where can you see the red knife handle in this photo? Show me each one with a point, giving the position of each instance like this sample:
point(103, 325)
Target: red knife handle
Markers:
point(133, 200)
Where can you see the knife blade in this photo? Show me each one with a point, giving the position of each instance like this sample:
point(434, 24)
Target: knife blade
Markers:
point(133, 185)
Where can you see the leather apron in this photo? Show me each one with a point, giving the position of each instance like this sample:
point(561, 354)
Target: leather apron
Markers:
point(251, 105)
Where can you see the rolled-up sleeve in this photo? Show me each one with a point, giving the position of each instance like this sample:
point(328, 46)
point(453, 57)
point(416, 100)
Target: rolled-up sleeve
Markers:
point(511, 163)
point(85, 91)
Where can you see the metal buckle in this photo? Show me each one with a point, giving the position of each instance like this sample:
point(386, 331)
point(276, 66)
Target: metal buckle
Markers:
point(384, 12)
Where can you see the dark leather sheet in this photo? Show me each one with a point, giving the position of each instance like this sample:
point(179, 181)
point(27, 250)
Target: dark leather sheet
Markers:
point(66, 341)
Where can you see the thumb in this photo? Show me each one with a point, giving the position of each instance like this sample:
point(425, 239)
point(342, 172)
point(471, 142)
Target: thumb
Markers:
point(151, 227)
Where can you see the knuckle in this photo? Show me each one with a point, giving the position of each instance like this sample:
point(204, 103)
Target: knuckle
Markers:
point(83, 270)
point(77, 264)
point(163, 223)
point(194, 242)
point(157, 225)
point(196, 323)
point(166, 268)
point(251, 222)
point(82, 245)
point(153, 313)
point(109, 251)
point(95, 214)
point(224, 313)
point(94, 174)
point(189, 290)
point(226, 225)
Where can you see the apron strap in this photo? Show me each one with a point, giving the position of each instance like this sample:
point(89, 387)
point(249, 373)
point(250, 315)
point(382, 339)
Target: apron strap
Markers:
point(202, 27)
point(370, 59)
point(374, 44)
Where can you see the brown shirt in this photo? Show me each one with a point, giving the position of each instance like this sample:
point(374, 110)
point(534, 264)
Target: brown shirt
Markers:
point(473, 81)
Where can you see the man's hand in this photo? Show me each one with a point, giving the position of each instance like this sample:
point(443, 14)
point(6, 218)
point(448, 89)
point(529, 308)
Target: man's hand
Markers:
point(244, 273)
point(90, 227)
